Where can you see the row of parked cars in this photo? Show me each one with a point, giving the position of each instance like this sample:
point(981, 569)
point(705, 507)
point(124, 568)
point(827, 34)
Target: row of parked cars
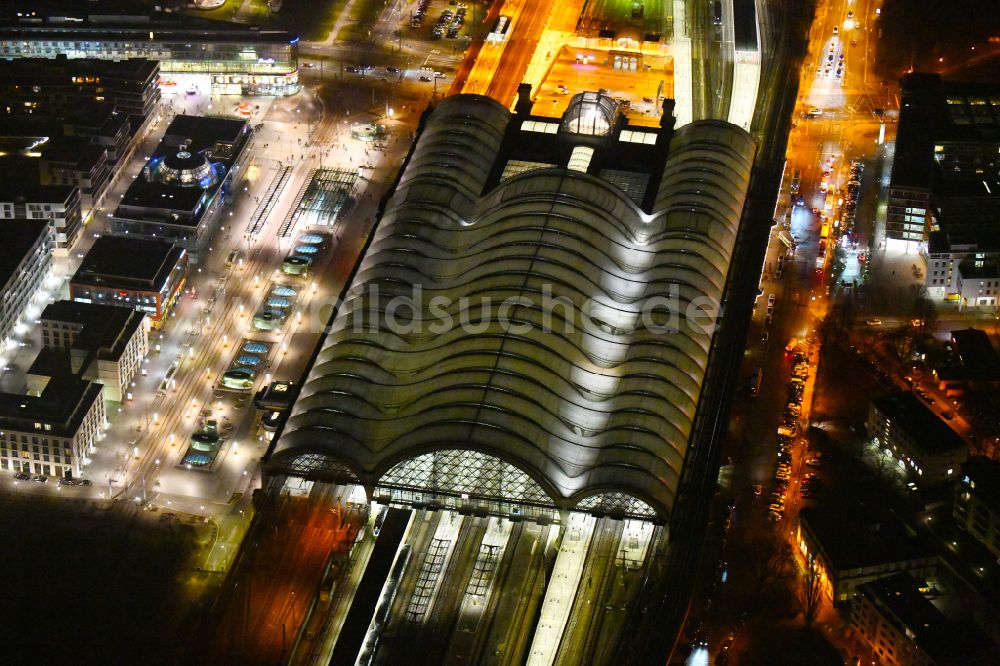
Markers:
point(853, 191)
point(41, 478)
point(449, 24)
point(787, 431)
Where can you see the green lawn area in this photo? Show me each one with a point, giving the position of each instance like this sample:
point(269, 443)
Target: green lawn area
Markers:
point(311, 20)
point(363, 15)
point(226, 12)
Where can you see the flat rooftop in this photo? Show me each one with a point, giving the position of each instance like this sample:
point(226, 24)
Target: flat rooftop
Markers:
point(208, 143)
point(944, 640)
point(63, 404)
point(106, 330)
point(128, 263)
point(9, 192)
point(933, 111)
point(931, 433)
point(861, 536)
point(17, 237)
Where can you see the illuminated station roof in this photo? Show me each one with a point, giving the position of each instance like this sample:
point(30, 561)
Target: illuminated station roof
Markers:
point(564, 277)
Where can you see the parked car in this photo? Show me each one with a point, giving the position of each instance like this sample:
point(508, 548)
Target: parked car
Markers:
point(40, 478)
point(22, 476)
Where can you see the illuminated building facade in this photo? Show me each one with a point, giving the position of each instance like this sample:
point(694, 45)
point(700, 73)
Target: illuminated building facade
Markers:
point(147, 275)
point(24, 263)
point(240, 59)
point(185, 185)
point(506, 405)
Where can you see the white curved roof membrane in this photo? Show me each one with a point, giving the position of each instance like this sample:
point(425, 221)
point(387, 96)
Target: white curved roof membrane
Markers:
point(602, 407)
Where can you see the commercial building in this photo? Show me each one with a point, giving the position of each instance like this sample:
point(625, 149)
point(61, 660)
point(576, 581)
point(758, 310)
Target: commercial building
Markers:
point(145, 275)
point(977, 502)
point(903, 628)
point(185, 185)
point(43, 86)
point(924, 447)
point(100, 343)
point(59, 205)
point(51, 433)
point(579, 390)
point(855, 545)
point(972, 365)
point(962, 265)
point(233, 58)
point(24, 263)
point(947, 156)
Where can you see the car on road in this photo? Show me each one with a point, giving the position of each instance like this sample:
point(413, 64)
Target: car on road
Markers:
point(392, 70)
point(351, 69)
point(85, 482)
point(874, 322)
point(812, 462)
point(63, 481)
point(40, 478)
point(770, 300)
point(22, 476)
point(947, 416)
point(764, 337)
point(425, 79)
point(758, 490)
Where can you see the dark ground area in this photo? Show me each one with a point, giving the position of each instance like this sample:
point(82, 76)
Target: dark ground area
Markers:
point(95, 585)
point(789, 645)
point(917, 33)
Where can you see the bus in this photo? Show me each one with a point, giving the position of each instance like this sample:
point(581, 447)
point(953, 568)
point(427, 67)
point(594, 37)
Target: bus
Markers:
point(755, 381)
point(499, 32)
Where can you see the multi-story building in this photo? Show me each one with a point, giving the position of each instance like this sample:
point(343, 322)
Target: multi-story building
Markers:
point(100, 343)
point(146, 275)
point(946, 155)
point(855, 545)
point(972, 364)
point(233, 58)
point(30, 86)
point(58, 204)
point(922, 444)
point(24, 263)
point(903, 628)
point(184, 187)
point(79, 162)
point(51, 433)
point(977, 501)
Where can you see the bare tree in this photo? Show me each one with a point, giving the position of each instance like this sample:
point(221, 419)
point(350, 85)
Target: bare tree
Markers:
point(811, 593)
point(770, 561)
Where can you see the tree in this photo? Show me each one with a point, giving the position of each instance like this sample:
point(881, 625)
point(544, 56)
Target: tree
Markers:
point(811, 593)
point(770, 561)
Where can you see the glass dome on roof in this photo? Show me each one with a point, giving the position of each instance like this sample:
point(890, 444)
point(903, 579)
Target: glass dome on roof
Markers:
point(185, 169)
point(283, 291)
point(255, 347)
point(590, 113)
point(306, 249)
point(311, 239)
